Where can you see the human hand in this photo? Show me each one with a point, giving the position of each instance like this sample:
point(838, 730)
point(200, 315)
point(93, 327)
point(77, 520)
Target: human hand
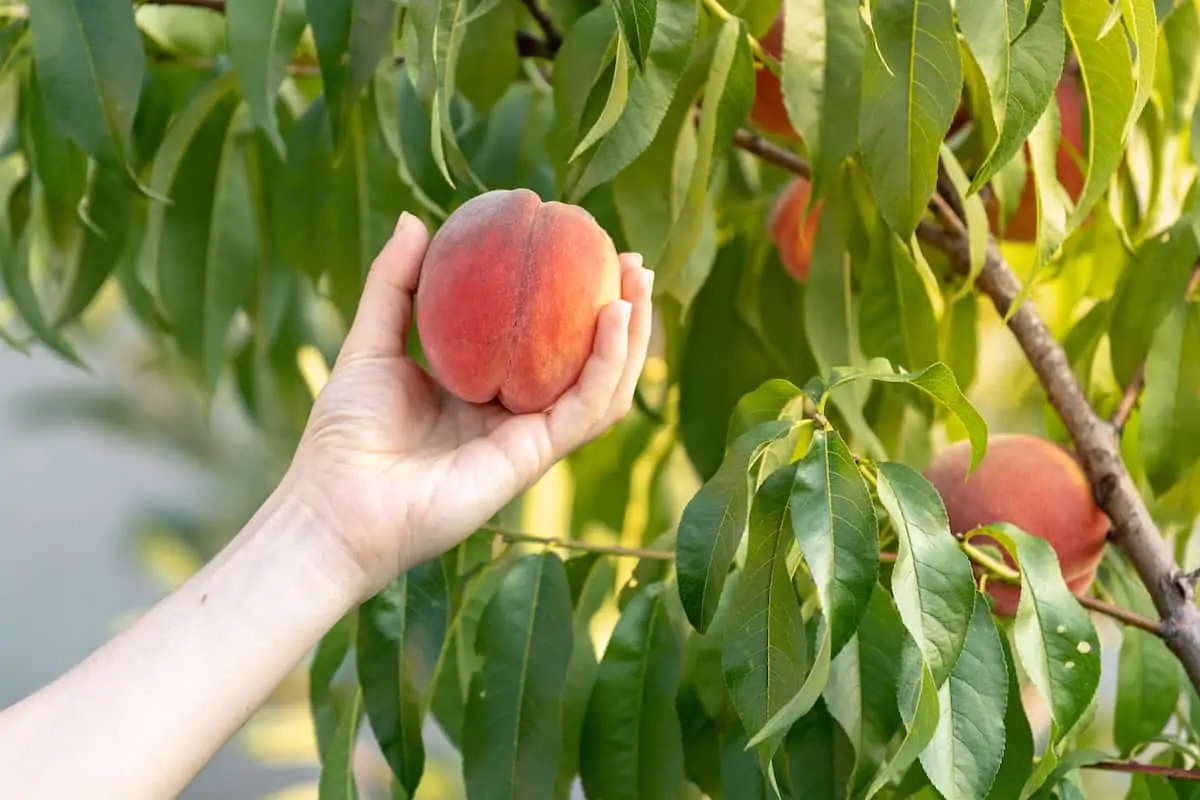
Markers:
point(401, 470)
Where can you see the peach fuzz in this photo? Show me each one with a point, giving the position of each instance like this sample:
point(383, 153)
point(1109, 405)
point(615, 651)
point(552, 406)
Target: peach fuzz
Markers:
point(1031, 483)
point(509, 298)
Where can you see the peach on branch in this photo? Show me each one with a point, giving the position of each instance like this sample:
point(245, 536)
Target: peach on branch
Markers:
point(793, 227)
point(769, 111)
point(509, 297)
point(1037, 486)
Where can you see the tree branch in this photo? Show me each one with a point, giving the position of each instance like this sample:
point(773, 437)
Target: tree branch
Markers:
point(1135, 531)
point(553, 39)
point(586, 547)
point(1131, 767)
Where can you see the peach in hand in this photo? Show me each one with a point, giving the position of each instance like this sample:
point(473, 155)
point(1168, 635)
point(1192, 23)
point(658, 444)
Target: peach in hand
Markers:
point(509, 297)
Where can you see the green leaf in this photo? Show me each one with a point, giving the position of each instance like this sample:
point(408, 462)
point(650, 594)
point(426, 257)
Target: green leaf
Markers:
point(637, 18)
point(90, 63)
point(15, 270)
point(728, 96)
point(978, 226)
point(614, 105)
point(920, 706)
point(829, 313)
point(489, 64)
point(1021, 61)
point(59, 165)
point(1140, 22)
point(896, 317)
point(937, 381)
point(1151, 288)
point(1017, 762)
point(333, 216)
point(764, 651)
point(263, 35)
point(650, 94)
point(631, 734)
point(714, 522)
point(1052, 199)
point(351, 37)
point(400, 636)
point(822, 66)
point(964, 756)
point(98, 247)
point(932, 580)
point(581, 61)
point(207, 251)
point(775, 399)
point(326, 663)
point(911, 83)
point(1170, 430)
point(512, 734)
point(819, 755)
point(1147, 689)
point(1108, 81)
point(1053, 633)
point(834, 521)
point(861, 693)
point(337, 772)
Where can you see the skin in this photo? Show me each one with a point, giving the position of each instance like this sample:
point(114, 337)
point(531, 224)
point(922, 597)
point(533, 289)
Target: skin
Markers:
point(392, 471)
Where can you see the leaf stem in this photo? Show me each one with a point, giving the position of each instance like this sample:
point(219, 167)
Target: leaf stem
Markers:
point(586, 547)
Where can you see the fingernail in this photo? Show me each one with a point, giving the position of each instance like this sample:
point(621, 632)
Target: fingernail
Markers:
point(402, 223)
point(649, 278)
point(636, 259)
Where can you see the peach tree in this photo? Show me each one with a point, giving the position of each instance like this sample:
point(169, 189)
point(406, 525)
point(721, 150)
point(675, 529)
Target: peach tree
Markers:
point(883, 231)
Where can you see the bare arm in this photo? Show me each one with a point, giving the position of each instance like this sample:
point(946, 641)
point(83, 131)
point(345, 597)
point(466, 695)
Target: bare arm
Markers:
point(391, 471)
point(142, 715)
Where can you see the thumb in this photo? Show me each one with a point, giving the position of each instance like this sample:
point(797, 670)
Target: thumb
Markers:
point(380, 327)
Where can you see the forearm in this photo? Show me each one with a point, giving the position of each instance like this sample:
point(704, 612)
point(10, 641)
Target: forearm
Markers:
point(143, 714)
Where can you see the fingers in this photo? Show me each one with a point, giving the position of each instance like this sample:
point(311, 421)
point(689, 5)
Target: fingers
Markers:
point(380, 328)
point(604, 392)
point(636, 287)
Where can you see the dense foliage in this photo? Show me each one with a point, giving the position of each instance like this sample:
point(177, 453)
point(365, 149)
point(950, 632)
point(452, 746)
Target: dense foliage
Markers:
point(755, 592)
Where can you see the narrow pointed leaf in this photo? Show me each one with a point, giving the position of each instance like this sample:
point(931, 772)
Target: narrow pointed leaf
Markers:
point(614, 105)
point(896, 317)
point(919, 708)
point(637, 19)
point(351, 37)
point(97, 249)
point(650, 94)
point(728, 96)
point(714, 522)
point(1021, 60)
point(822, 66)
point(861, 693)
point(337, 780)
point(20, 289)
point(206, 255)
point(834, 521)
point(90, 63)
point(1108, 80)
point(263, 35)
point(819, 756)
point(1170, 429)
point(937, 381)
point(512, 734)
point(963, 757)
point(400, 636)
point(632, 742)
point(323, 697)
point(932, 580)
point(1142, 26)
point(1017, 761)
point(1054, 636)
point(908, 104)
point(764, 652)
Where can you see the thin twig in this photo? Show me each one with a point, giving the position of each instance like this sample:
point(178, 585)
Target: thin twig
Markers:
point(553, 39)
point(587, 547)
point(1004, 574)
point(211, 5)
point(1131, 767)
